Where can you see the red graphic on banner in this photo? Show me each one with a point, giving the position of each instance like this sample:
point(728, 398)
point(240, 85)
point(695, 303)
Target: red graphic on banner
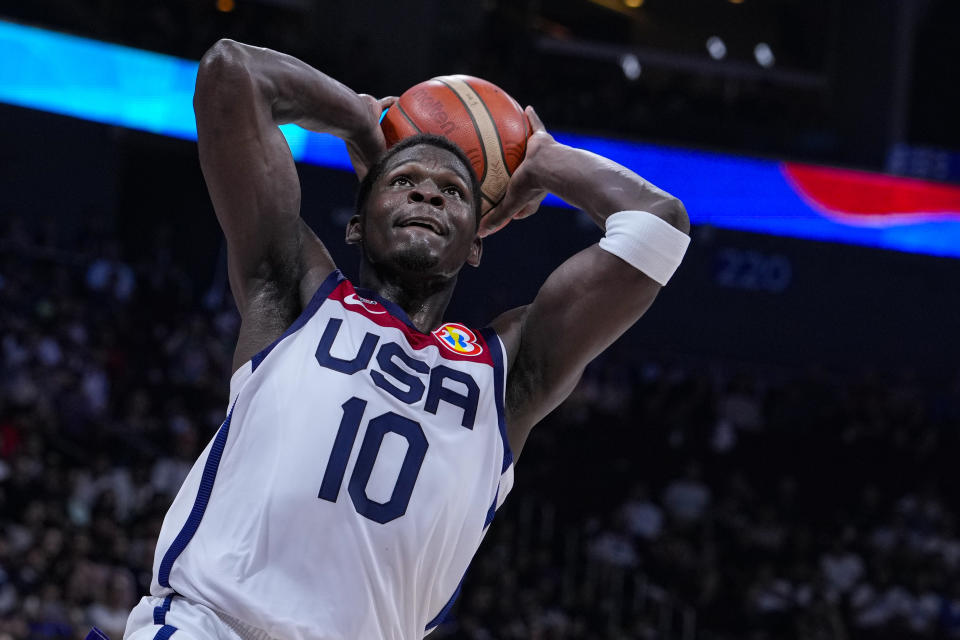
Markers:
point(862, 198)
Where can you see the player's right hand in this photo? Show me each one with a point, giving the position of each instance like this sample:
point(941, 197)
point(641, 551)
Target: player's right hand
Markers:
point(524, 190)
point(367, 145)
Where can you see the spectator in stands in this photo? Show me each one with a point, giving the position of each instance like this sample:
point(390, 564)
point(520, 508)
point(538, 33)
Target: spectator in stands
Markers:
point(687, 499)
point(643, 518)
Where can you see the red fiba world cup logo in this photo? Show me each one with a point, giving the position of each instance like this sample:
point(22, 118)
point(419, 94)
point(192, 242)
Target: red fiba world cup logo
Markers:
point(459, 339)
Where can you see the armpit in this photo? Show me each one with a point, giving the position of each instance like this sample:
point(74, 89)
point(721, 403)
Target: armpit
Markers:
point(509, 326)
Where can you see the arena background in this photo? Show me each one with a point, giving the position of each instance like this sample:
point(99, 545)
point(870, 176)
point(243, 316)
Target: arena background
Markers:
point(769, 453)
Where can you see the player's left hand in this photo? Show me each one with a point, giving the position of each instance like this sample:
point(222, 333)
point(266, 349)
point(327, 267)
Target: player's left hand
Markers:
point(524, 191)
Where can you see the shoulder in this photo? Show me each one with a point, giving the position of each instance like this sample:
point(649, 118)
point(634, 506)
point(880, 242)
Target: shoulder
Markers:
point(315, 266)
point(282, 291)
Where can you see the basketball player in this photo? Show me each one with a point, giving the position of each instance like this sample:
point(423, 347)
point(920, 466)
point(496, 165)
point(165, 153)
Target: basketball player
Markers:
point(368, 443)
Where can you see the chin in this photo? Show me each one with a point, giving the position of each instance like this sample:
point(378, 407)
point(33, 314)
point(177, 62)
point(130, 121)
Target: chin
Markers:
point(415, 261)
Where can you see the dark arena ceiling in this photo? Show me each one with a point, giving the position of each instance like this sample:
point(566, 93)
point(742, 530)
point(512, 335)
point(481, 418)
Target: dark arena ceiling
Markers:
point(832, 81)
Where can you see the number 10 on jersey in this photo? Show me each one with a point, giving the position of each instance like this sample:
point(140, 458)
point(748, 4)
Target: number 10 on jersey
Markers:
point(378, 427)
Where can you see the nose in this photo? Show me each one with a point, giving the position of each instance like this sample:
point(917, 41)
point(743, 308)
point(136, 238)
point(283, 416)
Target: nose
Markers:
point(427, 192)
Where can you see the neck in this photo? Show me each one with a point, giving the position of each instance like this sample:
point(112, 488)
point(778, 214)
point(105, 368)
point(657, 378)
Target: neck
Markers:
point(423, 298)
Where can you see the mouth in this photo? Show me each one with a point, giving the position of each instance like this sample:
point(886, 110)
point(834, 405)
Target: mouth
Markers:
point(423, 222)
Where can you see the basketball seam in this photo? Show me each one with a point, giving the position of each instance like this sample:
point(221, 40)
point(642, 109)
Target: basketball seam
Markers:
point(404, 114)
point(496, 131)
point(476, 127)
point(492, 122)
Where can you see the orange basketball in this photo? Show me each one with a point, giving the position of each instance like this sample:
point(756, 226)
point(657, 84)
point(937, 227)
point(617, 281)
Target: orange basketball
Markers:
point(476, 115)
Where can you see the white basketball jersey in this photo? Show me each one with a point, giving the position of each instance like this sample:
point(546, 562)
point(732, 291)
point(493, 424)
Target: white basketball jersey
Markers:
point(353, 479)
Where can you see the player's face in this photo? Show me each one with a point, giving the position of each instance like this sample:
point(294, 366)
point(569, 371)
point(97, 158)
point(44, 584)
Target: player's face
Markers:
point(420, 215)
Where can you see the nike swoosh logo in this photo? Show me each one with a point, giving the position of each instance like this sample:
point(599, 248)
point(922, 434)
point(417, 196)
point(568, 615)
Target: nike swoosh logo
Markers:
point(352, 298)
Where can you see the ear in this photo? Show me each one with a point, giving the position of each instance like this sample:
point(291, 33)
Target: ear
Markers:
point(354, 231)
point(476, 250)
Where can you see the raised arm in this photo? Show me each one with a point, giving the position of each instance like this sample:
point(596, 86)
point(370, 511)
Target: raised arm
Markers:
point(243, 93)
point(593, 297)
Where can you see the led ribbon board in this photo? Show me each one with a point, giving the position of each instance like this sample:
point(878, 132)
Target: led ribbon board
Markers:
point(118, 85)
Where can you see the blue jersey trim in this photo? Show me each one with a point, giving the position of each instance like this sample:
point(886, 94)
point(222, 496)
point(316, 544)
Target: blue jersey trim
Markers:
point(96, 634)
point(165, 632)
point(440, 617)
point(392, 307)
point(200, 504)
point(493, 508)
point(160, 612)
point(499, 380)
point(325, 289)
point(496, 354)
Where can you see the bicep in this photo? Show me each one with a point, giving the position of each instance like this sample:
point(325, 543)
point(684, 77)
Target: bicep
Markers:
point(586, 304)
point(249, 171)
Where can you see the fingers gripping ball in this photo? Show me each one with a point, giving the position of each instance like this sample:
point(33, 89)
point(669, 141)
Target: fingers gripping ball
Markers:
point(478, 116)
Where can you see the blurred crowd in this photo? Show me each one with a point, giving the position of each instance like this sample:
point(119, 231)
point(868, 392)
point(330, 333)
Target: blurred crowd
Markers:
point(111, 381)
point(717, 500)
point(666, 499)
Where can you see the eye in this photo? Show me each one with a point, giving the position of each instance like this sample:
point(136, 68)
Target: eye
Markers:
point(401, 181)
point(453, 191)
